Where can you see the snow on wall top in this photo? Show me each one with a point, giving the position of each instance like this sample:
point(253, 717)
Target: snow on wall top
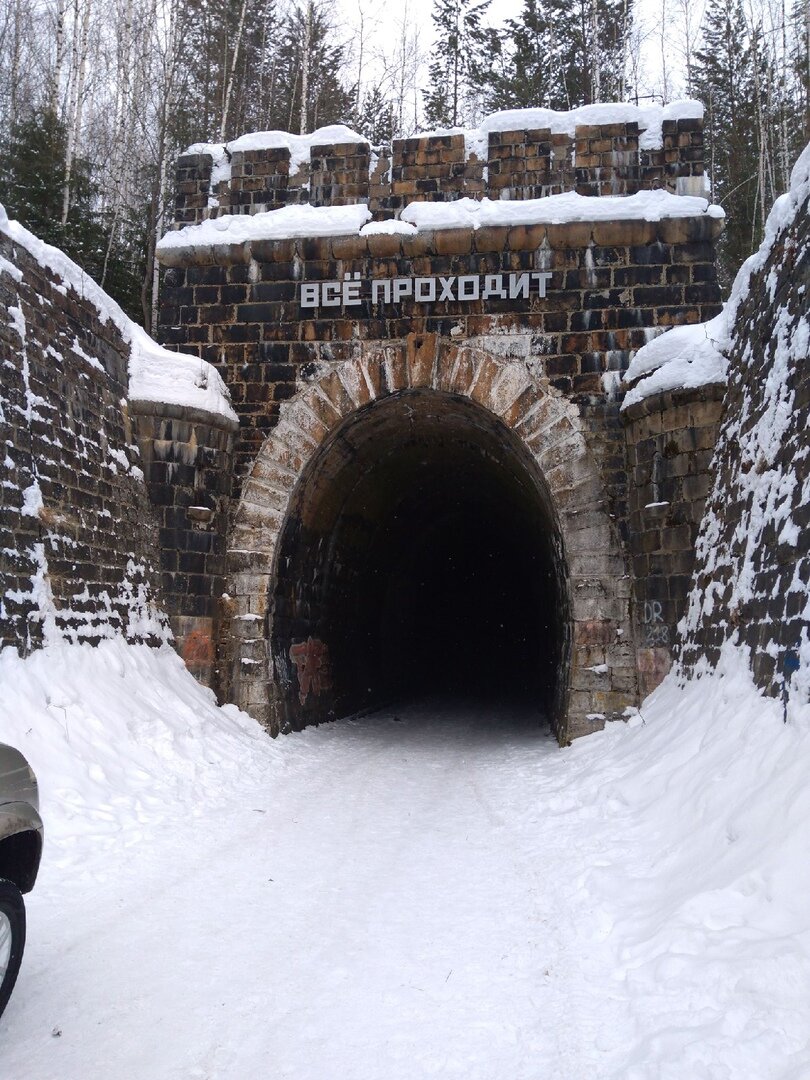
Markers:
point(306, 220)
point(557, 210)
point(692, 356)
point(648, 117)
point(299, 146)
point(288, 221)
point(683, 357)
point(155, 374)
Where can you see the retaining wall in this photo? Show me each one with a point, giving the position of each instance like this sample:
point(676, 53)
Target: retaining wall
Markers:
point(752, 577)
point(78, 537)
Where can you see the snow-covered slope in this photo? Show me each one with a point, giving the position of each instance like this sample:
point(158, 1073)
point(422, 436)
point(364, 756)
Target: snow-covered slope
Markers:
point(436, 894)
point(752, 577)
point(120, 736)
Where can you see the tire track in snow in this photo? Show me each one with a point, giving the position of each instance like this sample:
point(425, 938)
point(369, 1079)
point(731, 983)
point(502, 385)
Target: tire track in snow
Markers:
point(387, 915)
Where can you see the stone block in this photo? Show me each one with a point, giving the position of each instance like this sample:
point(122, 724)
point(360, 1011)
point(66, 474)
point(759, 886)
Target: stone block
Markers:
point(578, 234)
point(526, 237)
point(487, 373)
point(350, 248)
point(421, 352)
point(453, 241)
point(462, 373)
point(623, 233)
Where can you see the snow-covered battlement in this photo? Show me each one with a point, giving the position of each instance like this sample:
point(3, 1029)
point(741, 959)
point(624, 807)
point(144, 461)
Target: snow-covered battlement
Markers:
point(595, 150)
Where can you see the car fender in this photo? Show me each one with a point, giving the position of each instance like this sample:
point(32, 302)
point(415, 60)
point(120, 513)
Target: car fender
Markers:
point(20, 844)
point(17, 817)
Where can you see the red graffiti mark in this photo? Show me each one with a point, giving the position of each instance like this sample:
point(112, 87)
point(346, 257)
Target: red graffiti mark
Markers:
point(198, 650)
point(595, 632)
point(311, 659)
point(653, 665)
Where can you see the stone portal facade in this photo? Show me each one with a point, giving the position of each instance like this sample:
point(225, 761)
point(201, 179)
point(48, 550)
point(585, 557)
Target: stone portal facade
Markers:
point(541, 369)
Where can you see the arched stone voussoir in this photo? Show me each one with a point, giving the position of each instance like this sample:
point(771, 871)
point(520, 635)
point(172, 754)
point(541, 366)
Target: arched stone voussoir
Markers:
point(355, 380)
point(493, 382)
point(514, 379)
point(549, 427)
point(422, 355)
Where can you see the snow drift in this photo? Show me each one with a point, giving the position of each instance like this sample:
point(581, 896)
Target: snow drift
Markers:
point(422, 895)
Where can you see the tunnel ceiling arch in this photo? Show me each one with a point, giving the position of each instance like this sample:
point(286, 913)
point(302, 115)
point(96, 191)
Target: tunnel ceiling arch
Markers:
point(420, 553)
point(505, 431)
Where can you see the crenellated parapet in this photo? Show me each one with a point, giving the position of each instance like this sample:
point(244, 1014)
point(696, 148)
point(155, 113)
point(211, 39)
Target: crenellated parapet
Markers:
point(270, 170)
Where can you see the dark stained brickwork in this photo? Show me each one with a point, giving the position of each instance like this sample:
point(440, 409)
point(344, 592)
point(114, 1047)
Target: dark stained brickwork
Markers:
point(753, 559)
point(187, 460)
point(671, 438)
point(112, 516)
point(610, 287)
point(78, 538)
point(602, 159)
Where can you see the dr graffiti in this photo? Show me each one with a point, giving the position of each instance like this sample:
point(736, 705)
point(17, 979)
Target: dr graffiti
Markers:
point(354, 289)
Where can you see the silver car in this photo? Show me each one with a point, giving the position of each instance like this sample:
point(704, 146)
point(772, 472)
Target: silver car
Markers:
point(20, 851)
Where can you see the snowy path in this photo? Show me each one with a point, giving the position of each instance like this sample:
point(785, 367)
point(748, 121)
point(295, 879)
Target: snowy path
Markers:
point(449, 895)
point(397, 899)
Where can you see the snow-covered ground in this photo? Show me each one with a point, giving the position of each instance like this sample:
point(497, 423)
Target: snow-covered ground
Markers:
point(443, 893)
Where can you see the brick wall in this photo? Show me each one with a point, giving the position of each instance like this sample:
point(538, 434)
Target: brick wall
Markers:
point(611, 284)
point(671, 439)
point(752, 577)
point(187, 459)
point(78, 539)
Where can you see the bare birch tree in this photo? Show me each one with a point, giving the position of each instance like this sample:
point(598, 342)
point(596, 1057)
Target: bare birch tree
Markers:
point(81, 37)
point(306, 57)
point(237, 43)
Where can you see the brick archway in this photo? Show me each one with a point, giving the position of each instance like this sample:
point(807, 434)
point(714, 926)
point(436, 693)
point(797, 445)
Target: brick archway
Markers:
point(599, 679)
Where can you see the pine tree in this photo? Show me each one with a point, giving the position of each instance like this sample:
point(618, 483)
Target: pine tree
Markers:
point(31, 174)
point(123, 267)
point(523, 71)
point(591, 38)
point(461, 60)
point(375, 117)
point(308, 56)
point(560, 54)
point(31, 189)
point(725, 83)
point(206, 29)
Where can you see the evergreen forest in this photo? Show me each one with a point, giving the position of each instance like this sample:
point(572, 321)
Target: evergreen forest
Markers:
point(97, 99)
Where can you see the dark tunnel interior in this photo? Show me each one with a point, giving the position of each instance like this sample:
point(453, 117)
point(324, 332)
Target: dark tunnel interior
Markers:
point(422, 551)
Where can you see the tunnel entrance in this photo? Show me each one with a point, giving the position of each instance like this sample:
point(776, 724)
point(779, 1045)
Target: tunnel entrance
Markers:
point(420, 555)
